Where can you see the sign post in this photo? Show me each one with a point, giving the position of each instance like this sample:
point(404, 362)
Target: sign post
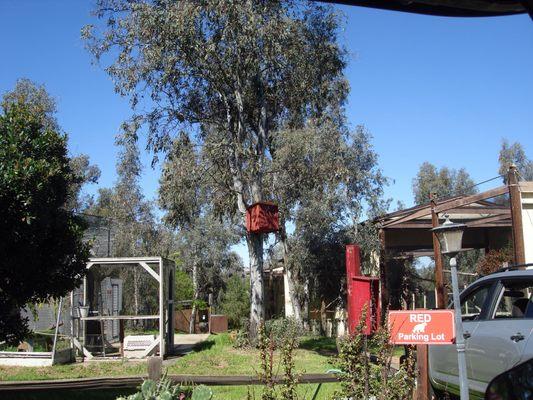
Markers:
point(422, 327)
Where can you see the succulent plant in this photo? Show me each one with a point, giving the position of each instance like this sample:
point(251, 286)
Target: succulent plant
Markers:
point(202, 392)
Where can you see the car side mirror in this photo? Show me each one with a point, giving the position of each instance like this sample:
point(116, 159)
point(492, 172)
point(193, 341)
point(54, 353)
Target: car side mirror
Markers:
point(514, 384)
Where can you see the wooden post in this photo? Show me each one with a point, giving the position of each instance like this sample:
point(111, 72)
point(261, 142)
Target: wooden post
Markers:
point(383, 276)
point(155, 368)
point(439, 275)
point(516, 215)
point(422, 387)
point(121, 336)
point(102, 335)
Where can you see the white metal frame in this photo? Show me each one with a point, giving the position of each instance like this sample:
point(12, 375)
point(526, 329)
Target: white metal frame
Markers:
point(166, 269)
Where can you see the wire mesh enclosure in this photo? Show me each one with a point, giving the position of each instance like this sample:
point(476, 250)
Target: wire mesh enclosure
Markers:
point(124, 308)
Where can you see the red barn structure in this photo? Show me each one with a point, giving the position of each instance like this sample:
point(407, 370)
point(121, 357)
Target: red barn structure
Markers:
point(363, 291)
point(262, 217)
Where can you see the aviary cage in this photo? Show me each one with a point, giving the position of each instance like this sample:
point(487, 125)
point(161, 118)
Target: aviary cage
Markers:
point(125, 308)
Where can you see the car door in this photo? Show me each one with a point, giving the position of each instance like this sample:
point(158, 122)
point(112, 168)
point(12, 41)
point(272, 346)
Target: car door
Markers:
point(444, 371)
point(498, 342)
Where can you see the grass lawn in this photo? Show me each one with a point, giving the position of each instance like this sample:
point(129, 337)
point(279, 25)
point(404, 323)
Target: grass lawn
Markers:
point(216, 356)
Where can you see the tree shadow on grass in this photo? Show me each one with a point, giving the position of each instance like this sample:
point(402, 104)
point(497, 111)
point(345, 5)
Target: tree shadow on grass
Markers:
point(322, 345)
point(105, 394)
point(205, 345)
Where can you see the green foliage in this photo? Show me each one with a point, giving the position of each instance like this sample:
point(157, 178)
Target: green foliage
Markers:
point(37, 100)
point(41, 252)
point(235, 302)
point(267, 343)
point(183, 286)
point(444, 182)
point(202, 392)
point(362, 379)
point(282, 331)
point(324, 173)
point(162, 390)
point(515, 154)
point(266, 347)
point(242, 337)
point(288, 388)
point(85, 173)
point(494, 260)
point(237, 73)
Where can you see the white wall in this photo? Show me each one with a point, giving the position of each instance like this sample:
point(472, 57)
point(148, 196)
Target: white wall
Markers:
point(527, 221)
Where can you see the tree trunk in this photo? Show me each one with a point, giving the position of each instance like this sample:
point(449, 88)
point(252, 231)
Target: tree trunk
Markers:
point(305, 306)
point(257, 308)
point(294, 301)
point(195, 297)
point(323, 317)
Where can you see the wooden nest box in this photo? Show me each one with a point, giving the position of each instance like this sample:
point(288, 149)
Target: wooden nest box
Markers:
point(262, 217)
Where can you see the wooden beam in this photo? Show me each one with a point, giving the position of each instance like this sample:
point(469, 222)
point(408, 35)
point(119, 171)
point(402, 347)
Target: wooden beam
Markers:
point(383, 275)
point(417, 214)
point(155, 368)
point(483, 221)
point(150, 270)
point(421, 211)
point(472, 199)
point(121, 382)
point(411, 225)
point(150, 349)
point(439, 276)
point(481, 210)
point(516, 214)
point(79, 346)
point(449, 204)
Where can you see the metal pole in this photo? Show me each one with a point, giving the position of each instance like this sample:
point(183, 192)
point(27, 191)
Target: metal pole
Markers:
point(459, 338)
point(57, 329)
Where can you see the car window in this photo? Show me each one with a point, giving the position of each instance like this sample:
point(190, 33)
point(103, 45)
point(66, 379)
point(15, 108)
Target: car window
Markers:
point(472, 304)
point(514, 300)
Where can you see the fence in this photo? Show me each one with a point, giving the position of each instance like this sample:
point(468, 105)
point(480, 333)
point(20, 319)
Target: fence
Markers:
point(132, 382)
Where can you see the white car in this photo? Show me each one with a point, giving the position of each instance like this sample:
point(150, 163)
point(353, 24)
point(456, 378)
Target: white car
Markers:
point(498, 323)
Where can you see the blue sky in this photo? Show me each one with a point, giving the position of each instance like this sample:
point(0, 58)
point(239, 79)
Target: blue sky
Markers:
point(428, 88)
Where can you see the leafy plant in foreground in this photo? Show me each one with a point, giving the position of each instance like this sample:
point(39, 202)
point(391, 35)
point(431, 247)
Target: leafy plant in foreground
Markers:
point(164, 390)
point(363, 379)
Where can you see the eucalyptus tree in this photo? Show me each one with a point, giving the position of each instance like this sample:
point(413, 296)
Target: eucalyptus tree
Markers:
point(231, 73)
point(131, 218)
point(515, 154)
point(444, 182)
point(203, 239)
point(37, 100)
point(323, 175)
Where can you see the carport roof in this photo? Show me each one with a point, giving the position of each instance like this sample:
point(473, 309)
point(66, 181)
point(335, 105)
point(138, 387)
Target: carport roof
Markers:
point(407, 232)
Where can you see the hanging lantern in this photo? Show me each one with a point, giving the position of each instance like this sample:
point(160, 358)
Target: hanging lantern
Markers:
point(262, 217)
point(450, 236)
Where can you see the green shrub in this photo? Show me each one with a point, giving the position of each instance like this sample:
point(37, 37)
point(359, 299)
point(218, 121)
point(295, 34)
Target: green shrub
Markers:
point(362, 379)
point(235, 302)
point(283, 330)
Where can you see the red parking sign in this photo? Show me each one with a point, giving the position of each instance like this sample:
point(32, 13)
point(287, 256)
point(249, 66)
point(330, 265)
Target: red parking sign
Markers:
point(422, 327)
